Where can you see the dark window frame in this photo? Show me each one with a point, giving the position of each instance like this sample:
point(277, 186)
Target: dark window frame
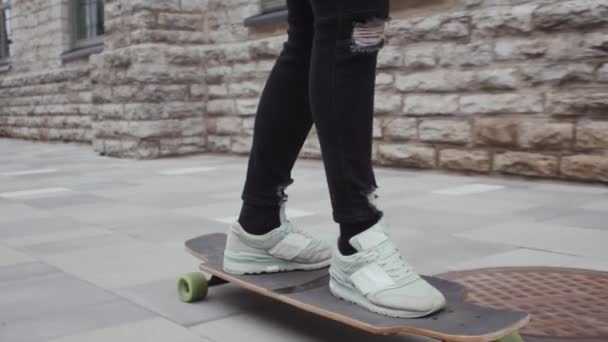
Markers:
point(272, 12)
point(92, 42)
point(75, 22)
point(5, 33)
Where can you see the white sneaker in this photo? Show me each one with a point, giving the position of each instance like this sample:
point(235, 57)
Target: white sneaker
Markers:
point(378, 279)
point(285, 248)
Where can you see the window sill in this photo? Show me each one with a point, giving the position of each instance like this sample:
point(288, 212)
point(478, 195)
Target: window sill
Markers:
point(265, 19)
point(81, 52)
point(5, 66)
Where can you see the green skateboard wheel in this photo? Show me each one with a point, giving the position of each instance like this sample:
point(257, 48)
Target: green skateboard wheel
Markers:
point(514, 337)
point(192, 287)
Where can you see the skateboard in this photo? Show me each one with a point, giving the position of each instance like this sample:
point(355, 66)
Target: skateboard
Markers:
point(309, 291)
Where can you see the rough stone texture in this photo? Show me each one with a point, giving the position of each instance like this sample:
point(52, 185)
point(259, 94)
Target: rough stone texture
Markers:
point(528, 164)
point(493, 86)
point(408, 155)
point(586, 167)
point(545, 135)
point(155, 77)
point(592, 135)
point(496, 132)
point(465, 160)
point(39, 97)
point(445, 131)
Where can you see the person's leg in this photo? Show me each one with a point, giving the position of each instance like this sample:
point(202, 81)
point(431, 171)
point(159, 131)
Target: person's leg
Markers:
point(282, 124)
point(367, 268)
point(264, 241)
point(348, 35)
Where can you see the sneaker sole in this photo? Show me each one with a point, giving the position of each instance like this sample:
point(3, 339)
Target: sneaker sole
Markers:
point(352, 296)
point(257, 265)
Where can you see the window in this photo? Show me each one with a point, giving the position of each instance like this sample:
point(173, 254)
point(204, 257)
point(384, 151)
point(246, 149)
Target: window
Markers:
point(273, 11)
point(273, 5)
point(87, 22)
point(5, 30)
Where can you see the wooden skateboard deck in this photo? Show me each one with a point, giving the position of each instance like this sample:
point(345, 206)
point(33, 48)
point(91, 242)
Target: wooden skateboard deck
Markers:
point(309, 290)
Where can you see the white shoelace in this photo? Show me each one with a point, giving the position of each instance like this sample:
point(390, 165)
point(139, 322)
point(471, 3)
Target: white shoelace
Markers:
point(391, 260)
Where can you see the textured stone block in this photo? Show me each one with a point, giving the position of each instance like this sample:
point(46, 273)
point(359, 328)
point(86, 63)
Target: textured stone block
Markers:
point(241, 145)
point(246, 106)
point(388, 103)
point(407, 155)
point(246, 88)
point(401, 128)
point(602, 73)
point(507, 20)
point(430, 104)
point(221, 107)
point(435, 81)
point(543, 135)
point(445, 131)
point(217, 143)
point(420, 55)
point(435, 27)
point(501, 103)
point(496, 131)
point(391, 56)
point(592, 135)
point(557, 73)
point(467, 160)
point(520, 48)
point(582, 103)
point(586, 167)
point(471, 54)
point(527, 164)
point(574, 14)
point(225, 125)
point(181, 21)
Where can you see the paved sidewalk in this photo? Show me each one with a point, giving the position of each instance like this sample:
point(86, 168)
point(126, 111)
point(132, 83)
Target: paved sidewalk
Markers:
point(90, 247)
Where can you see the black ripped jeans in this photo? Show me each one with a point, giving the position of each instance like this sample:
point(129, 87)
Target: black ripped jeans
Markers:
point(324, 75)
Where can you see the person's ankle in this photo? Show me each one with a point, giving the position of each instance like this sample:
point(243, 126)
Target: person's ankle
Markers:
point(348, 230)
point(259, 220)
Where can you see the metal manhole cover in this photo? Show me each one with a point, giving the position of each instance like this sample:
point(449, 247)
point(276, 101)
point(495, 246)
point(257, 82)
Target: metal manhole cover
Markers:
point(567, 304)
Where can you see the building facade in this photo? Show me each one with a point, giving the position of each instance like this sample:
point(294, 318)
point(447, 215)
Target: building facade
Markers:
point(487, 86)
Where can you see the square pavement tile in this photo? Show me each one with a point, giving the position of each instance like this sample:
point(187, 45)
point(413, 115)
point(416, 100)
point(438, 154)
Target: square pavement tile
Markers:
point(544, 236)
point(10, 212)
point(435, 220)
point(527, 257)
point(594, 219)
point(126, 262)
point(64, 201)
point(169, 228)
point(14, 274)
point(278, 322)
point(149, 330)
point(39, 225)
point(432, 252)
point(45, 326)
point(9, 256)
point(161, 297)
point(105, 213)
point(472, 205)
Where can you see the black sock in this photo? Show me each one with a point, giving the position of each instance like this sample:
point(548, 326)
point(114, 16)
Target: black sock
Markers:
point(259, 220)
point(347, 231)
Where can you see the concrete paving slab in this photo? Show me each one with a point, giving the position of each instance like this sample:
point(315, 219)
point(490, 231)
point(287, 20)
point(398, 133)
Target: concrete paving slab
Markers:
point(149, 330)
point(544, 236)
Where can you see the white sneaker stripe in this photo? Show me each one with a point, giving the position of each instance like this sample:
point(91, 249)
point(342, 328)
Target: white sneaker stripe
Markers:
point(371, 278)
point(289, 248)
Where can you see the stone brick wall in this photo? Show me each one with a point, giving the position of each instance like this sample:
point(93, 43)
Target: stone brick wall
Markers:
point(149, 91)
point(40, 98)
point(490, 86)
